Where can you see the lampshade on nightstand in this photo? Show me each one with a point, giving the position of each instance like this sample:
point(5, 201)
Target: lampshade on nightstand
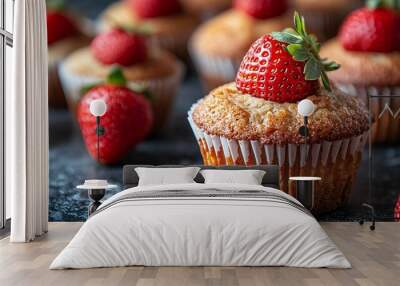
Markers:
point(96, 191)
point(98, 107)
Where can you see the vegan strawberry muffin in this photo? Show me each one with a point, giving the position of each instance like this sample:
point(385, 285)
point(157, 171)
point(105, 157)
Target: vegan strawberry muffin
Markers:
point(65, 34)
point(324, 17)
point(255, 120)
point(144, 67)
point(218, 45)
point(368, 49)
point(169, 24)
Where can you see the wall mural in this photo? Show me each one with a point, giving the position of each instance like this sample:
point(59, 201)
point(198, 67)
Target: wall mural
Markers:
point(127, 85)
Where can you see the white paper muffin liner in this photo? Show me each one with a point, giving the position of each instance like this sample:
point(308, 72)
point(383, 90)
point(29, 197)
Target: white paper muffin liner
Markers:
point(220, 69)
point(384, 105)
point(293, 160)
point(163, 90)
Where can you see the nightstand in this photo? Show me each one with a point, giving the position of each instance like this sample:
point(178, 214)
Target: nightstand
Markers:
point(96, 191)
point(305, 189)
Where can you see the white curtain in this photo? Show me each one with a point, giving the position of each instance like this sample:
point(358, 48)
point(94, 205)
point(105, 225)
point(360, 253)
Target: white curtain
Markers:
point(27, 124)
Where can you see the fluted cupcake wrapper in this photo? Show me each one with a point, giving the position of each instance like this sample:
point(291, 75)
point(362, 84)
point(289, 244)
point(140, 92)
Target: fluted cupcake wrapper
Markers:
point(215, 71)
point(163, 91)
point(336, 162)
point(384, 104)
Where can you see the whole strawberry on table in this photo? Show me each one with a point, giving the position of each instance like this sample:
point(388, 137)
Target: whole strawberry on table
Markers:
point(127, 121)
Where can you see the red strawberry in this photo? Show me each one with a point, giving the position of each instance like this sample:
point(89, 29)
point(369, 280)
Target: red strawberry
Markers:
point(270, 72)
point(397, 210)
point(262, 9)
point(371, 30)
point(127, 121)
point(154, 8)
point(119, 46)
point(59, 26)
point(284, 66)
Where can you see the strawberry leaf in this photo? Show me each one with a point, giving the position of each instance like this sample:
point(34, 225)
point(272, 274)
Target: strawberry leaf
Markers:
point(391, 4)
point(287, 37)
point(86, 88)
point(116, 77)
point(299, 52)
point(305, 48)
point(312, 69)
point(325, 81)
point(55, 5)
point(142, 30)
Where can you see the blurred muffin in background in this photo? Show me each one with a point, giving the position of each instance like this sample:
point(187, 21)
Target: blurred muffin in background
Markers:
point(205, 9)
point(144, 66)
point(325, 16)
point(219, 44)
point(169, 24)
point(368, 50)
point(65, 33)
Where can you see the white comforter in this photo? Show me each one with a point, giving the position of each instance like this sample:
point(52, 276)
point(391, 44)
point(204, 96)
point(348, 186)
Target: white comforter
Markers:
point(200, 231)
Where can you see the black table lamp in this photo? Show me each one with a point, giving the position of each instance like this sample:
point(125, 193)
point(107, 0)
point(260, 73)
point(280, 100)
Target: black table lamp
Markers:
point(305, 186)
point(98, 108)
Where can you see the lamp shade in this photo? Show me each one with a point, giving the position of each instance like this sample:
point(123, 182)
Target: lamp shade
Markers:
point(98, 107)
point(305, 107)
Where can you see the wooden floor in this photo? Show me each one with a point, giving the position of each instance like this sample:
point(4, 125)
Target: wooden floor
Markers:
point(375, 257)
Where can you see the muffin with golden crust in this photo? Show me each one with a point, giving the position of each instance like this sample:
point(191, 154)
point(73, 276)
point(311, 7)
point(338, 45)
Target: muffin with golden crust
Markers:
point(170, 29)
point(367, 50)
point(204, 9)
point(324, 17)
point(65, 33)
point(144, 67)
point(218, 45)
point(256, 120)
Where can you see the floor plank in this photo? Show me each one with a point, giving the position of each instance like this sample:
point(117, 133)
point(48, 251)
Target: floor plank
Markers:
point(375, 257)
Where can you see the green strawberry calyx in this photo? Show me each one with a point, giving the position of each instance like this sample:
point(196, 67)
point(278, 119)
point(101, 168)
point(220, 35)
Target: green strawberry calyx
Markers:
point(143, 30)
point(55, 5)
point(390, 4)
point(116, 77)
point(305, 48)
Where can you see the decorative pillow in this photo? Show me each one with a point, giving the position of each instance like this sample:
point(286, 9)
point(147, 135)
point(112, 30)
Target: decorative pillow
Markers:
point(166, 176)
point(247, 177)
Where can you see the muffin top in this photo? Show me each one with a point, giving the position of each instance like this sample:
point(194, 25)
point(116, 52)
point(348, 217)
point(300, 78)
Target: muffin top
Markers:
point(325, 5)
point(231, 33)
point(204, 6)
point(363, 68)
point(159, 64)
point(118, 14)
point(228, 112)
point(58, 51)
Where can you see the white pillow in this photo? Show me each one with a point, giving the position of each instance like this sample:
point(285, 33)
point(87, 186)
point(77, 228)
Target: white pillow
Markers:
point(248, 177)
point(165, 176)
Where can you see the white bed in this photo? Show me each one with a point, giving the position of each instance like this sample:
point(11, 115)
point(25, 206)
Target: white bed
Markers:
point(249, 226)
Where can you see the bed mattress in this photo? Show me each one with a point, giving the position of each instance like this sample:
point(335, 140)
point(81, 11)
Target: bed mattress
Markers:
point(201, 225)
